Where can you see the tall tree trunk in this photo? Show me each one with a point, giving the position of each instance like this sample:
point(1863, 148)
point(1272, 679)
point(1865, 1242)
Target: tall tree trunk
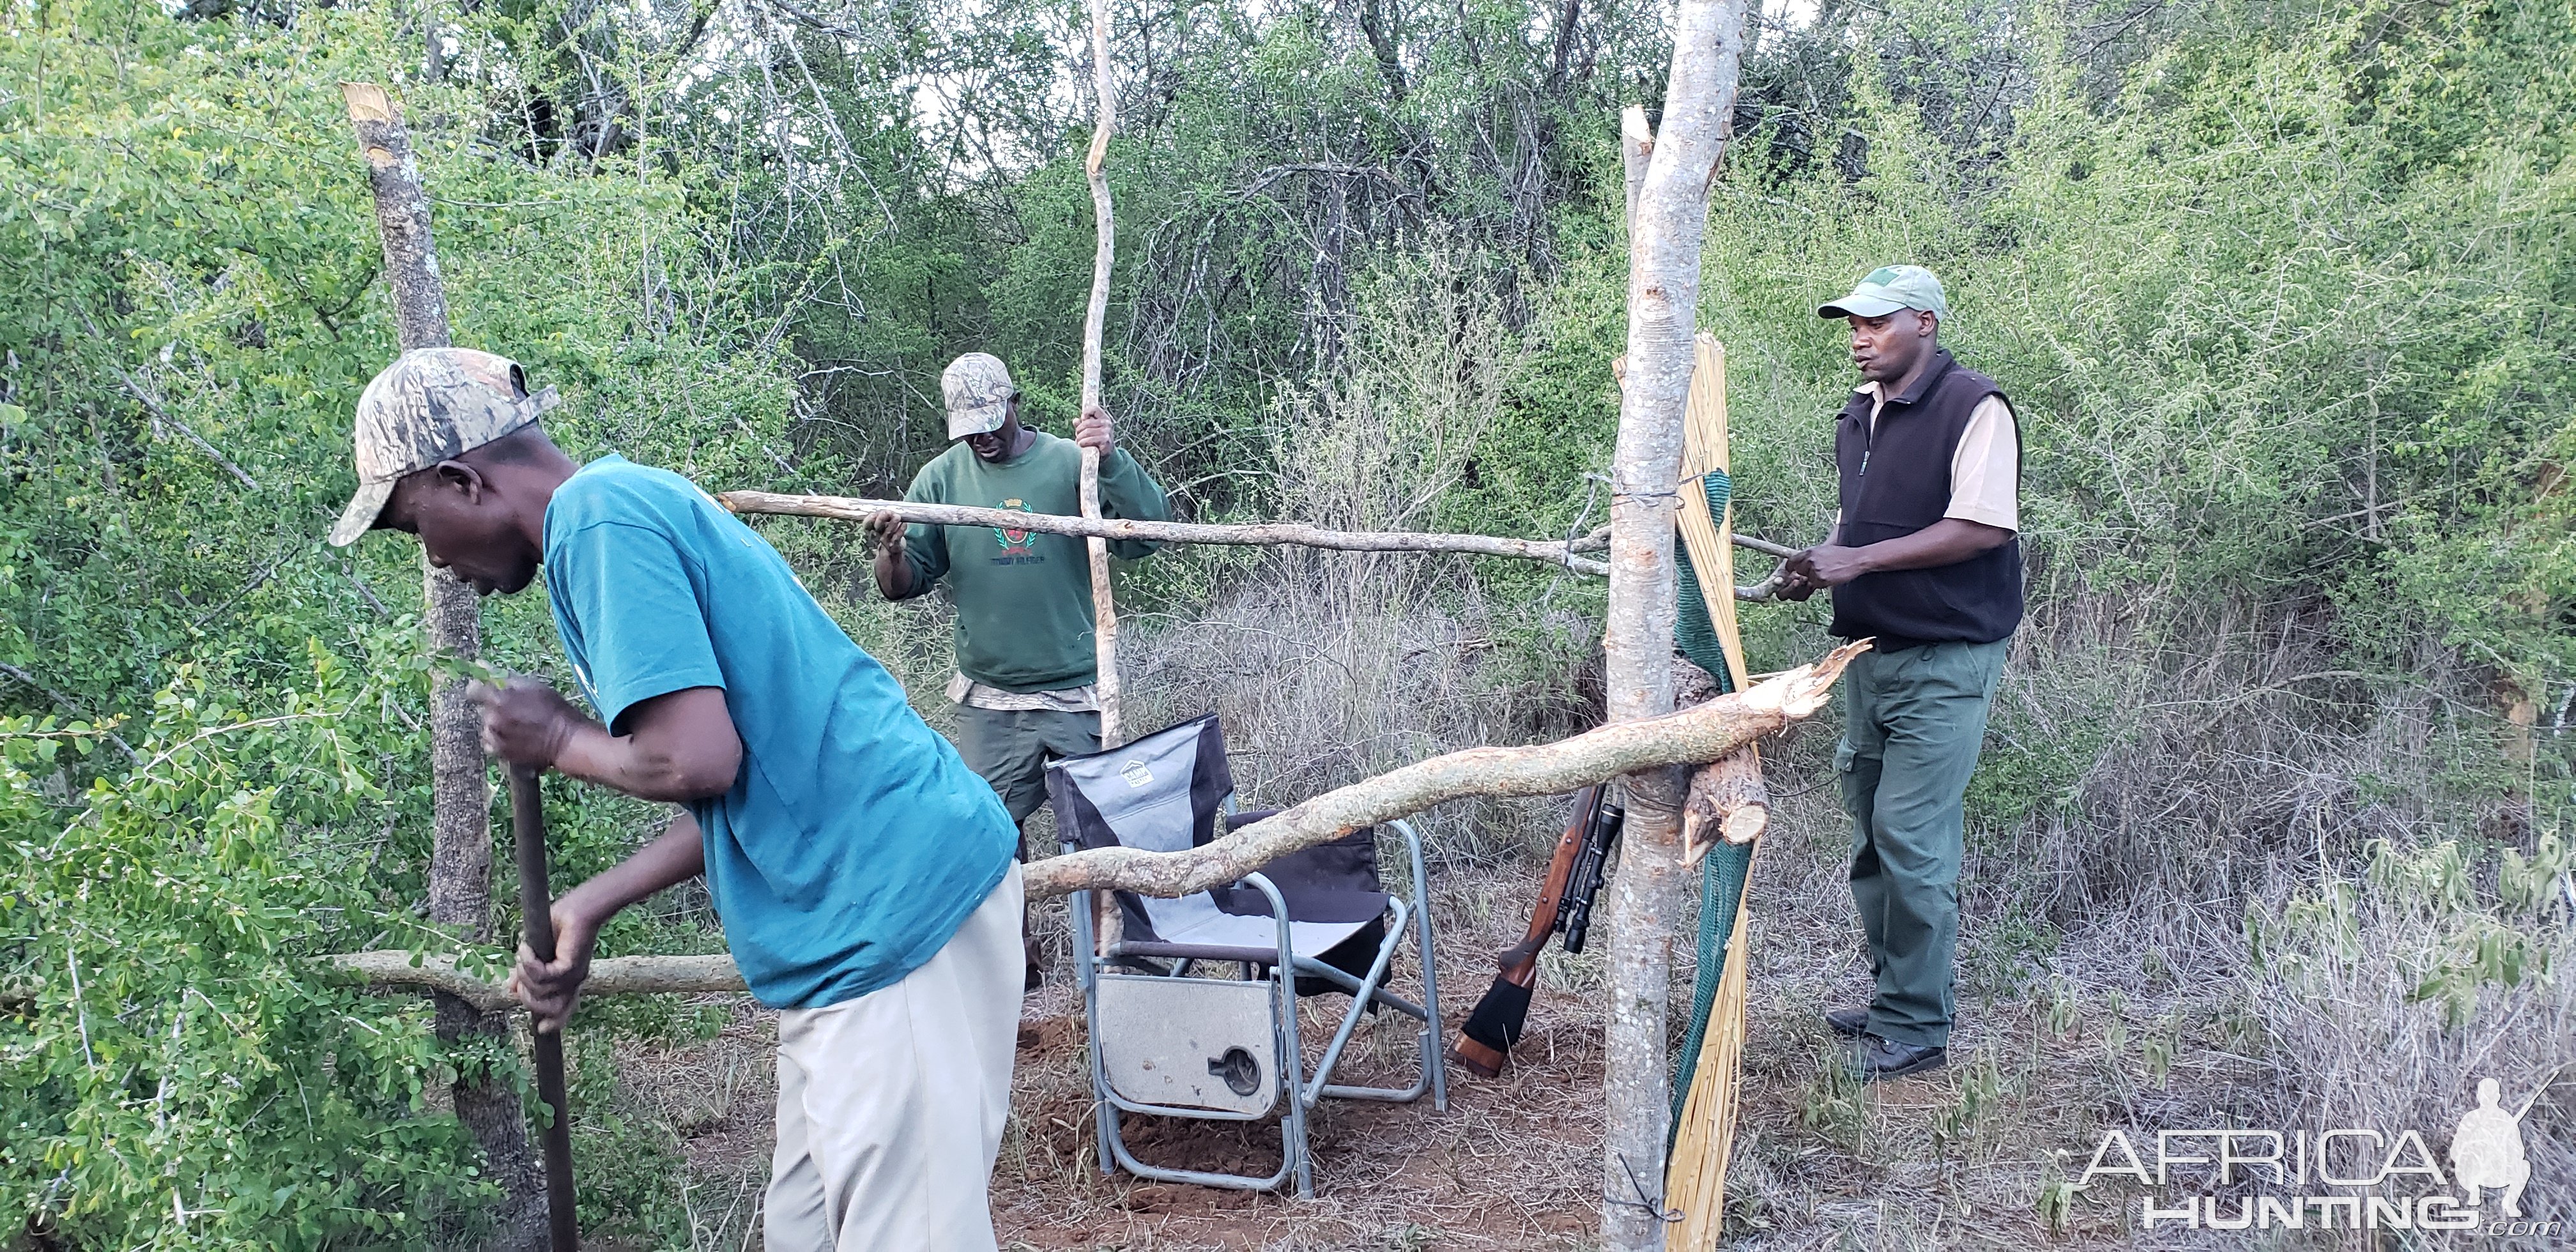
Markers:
point(1560, 57)
point(460, 859)
point(1667, 227)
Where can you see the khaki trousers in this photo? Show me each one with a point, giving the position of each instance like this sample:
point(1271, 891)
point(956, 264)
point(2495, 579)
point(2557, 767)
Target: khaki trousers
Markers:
point(891, 1106)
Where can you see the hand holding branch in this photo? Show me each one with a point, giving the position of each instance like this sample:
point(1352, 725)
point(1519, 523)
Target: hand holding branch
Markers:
point(1824, 565)
point(551, 989)
point(526, 722)
point(891, 565)
point(1945, 542)
point(885, 529)
point(1092, 429)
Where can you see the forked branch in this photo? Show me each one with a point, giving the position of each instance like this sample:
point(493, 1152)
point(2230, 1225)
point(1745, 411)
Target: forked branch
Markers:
point(1695, 735)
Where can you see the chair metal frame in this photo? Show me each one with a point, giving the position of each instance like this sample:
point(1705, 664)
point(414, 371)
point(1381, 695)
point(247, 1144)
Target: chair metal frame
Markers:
point(1288, 1068)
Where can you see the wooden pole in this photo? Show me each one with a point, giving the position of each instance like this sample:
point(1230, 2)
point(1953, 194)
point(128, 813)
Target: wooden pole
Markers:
point(537, 924)
point(858, 509)
point(1547, 551)
point(460, 859)
point(1705, 732)
point(1104, 611)
point(1670, 223)
point(1727, 801)
point(1710, 1113)
point(1704, 452)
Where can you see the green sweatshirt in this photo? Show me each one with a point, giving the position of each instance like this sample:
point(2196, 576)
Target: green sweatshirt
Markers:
point(1023, 598)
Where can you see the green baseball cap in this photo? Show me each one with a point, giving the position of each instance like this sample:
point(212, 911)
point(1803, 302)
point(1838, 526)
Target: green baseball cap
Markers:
point(1889, 288)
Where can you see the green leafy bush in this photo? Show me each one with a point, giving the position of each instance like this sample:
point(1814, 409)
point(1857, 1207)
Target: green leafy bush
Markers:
point(174, 1068)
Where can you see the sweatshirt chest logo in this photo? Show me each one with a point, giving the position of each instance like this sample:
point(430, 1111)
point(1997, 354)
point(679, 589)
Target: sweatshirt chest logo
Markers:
point(1014, 540)
point(1019, 547)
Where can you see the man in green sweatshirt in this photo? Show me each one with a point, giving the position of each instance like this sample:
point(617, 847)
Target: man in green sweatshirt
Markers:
point(1024, 683)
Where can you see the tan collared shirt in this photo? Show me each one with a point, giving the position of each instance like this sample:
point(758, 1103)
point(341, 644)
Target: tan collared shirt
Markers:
point(1985, 471)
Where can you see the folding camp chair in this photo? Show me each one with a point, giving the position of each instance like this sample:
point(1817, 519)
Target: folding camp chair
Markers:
point(1170, 1043)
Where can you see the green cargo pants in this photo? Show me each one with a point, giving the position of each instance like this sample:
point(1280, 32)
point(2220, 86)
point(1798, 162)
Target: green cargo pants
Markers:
point(1011, 748)
point(1914, 722)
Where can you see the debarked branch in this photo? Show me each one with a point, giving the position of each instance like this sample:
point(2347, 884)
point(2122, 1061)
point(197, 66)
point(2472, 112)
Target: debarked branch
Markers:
point(1262, 534)
point(1694, 736)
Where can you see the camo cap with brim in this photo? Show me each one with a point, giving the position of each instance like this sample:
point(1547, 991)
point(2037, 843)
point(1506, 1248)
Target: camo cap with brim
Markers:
point(1889, 288)
point(977, 388)
point(431, 405)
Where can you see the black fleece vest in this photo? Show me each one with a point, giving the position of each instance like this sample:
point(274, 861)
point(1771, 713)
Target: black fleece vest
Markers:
point(1895, 482)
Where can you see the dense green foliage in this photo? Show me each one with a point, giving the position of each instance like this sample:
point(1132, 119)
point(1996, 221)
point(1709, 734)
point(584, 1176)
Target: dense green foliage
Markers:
point(2282, 292)
point(170, 1053)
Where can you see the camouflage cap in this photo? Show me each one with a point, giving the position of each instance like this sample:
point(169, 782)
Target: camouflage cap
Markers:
point(431, 405)
point(978, 390)
point(1888, 288)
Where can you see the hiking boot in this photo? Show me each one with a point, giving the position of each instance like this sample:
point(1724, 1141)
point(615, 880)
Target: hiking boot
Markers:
point(1885, 1058)
point(1849, 1023)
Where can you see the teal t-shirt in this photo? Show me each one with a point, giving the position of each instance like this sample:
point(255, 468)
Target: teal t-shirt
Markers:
point(854, 841)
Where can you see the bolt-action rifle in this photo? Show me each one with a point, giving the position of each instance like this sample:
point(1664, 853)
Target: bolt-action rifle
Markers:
point(1564, 907)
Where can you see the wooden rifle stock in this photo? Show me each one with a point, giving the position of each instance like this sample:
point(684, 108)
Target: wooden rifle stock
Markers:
point(1495, 1025)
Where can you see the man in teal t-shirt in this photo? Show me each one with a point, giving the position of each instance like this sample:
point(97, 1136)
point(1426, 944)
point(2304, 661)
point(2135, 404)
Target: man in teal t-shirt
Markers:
point(1025, 647)
point(863, 873)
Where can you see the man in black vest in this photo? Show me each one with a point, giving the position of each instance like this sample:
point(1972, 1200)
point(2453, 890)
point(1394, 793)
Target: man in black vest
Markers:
point(1925, 559)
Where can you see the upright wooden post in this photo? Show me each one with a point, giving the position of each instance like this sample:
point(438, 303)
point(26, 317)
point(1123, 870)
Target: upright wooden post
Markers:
point(1665, 234)
point(460, 858)
point(1104, 612)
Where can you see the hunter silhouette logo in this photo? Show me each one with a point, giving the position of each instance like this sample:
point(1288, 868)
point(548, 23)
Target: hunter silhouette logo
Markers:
point(1014, 539)
point(2486, 1151)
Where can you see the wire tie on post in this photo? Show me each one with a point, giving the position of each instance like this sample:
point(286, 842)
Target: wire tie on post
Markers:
point(1653, 1207)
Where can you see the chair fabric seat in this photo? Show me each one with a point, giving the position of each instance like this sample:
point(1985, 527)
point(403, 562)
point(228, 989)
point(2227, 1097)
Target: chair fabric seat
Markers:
point(1194, 928)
